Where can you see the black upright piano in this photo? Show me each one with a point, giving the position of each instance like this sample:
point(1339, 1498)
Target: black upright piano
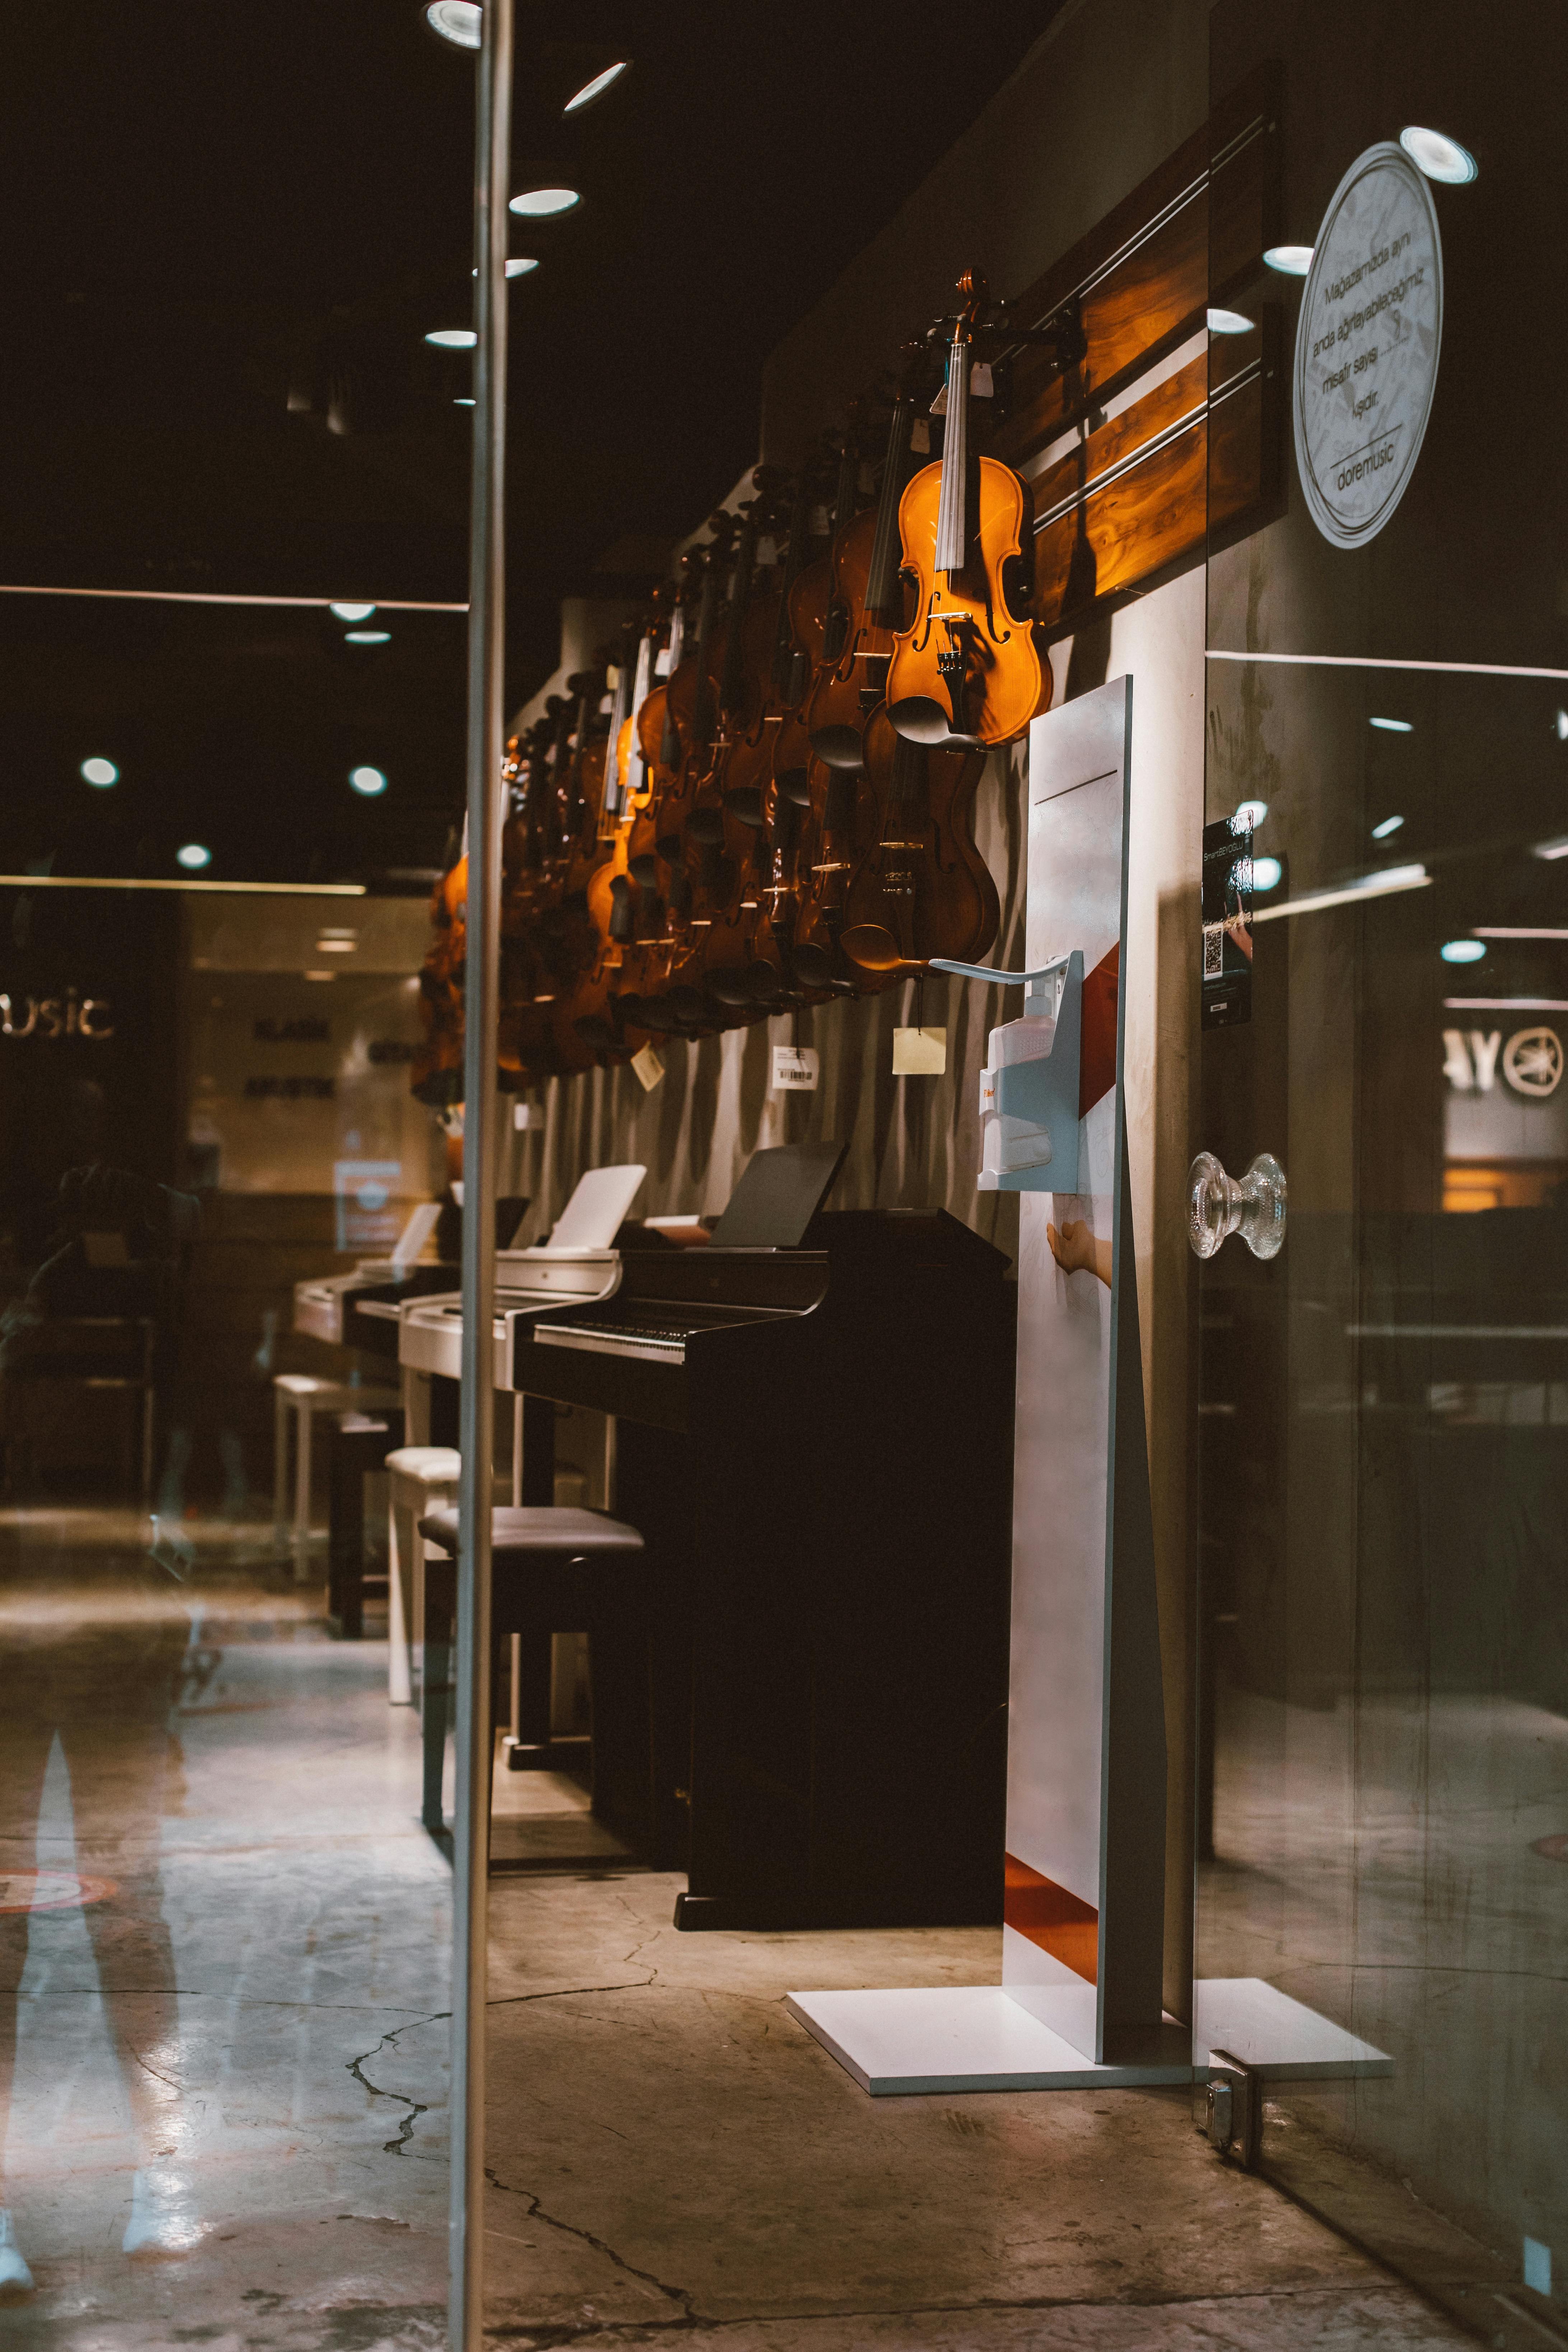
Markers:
point(816, 1442)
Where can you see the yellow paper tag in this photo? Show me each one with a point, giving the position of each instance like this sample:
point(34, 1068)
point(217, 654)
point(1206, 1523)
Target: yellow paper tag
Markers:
point(648, 1068)
point(919, 1052)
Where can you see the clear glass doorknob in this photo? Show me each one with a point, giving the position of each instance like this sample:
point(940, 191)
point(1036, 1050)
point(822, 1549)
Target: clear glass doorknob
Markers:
point(1217, 1205)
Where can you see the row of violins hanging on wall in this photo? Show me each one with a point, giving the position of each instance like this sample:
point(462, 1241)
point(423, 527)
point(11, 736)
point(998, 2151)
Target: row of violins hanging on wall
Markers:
point(764, 797)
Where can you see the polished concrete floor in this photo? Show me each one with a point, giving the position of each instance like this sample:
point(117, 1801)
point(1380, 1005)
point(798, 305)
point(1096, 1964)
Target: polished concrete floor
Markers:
point(232, 2055)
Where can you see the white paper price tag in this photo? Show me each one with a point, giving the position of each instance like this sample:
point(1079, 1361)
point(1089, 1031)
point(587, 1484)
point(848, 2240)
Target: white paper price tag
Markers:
point(648, 1068)
point(527, 1115)
point(796, 1069)
point(919, 1052)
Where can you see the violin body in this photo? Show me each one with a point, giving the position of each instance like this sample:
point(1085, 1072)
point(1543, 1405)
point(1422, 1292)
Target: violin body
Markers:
point(847, 684)
point(968, 670)
point(922, 889)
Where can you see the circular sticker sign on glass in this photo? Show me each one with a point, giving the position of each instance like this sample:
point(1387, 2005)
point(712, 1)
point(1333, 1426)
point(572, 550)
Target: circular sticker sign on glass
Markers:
point(1367, 341)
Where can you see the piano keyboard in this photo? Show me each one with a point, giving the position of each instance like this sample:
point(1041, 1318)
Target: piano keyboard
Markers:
point(655, 1343)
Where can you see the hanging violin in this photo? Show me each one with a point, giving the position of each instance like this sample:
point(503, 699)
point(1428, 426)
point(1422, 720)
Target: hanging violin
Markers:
point(924, 885)
point(868, 596)
point(968, 670)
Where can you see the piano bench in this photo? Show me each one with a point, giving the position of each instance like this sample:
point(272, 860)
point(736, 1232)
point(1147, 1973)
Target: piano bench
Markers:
point(547, 1567)
point(418, 1479)
point(358, 1447)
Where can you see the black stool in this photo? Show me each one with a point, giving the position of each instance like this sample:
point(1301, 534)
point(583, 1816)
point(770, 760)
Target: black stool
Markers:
point(359, 1445)
point(552, 1571)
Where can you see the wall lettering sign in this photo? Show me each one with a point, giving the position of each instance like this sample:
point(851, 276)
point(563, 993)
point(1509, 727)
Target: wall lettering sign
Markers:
point(1531, 1061)
point(1367, 341)
point(71, 1014)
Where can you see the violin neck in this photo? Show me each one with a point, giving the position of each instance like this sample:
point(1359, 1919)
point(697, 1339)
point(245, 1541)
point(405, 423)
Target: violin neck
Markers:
point(794, 563)
point(633, 781)
point(881, 580)
point(669, 742)
point(952, 513)
point(735, 643)
point(848, 476)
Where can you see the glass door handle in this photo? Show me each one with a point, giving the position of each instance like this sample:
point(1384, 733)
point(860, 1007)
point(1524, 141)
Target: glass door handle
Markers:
point(1217, 1205)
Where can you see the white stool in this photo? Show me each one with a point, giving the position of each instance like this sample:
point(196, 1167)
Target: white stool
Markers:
point(421, 1479)
point(299, 1394)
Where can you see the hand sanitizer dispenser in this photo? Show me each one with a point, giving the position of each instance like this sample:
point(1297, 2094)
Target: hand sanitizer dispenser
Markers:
point(1029, 1087)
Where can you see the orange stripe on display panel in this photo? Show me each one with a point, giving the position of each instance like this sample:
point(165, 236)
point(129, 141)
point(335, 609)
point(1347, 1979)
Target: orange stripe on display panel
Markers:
point(1065, 1926)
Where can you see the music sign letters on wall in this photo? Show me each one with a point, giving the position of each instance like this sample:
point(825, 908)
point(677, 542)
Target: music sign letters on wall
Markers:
point(69, 1014)
point(1367, 341)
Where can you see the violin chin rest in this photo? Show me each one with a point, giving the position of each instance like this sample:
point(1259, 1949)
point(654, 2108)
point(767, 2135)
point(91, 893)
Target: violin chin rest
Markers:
point(643, 870)
point(729, 989)
point(686, 1003)
point(840, 747)
point(795, 784)
point(745, 805)
point(922, 720)
point(813, 964)
point(869, 945)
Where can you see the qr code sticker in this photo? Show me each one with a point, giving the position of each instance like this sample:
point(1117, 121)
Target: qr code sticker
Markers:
point(1214, 951)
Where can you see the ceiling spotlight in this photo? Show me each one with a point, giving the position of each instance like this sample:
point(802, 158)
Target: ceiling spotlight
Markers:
point(101, 773)
point(545, 204)
point(1392, 725)
point(1440, 157)
point(1561, 724)
point(351, 612)
point(337, 943)
point(1228, 322)
point(1289, 260)
point(517, 267)
point(1462, 950)
point(1266, 873)
point(453, 339)
point(457, 21)
point(193, 857)
point(463, 404)
point(596, 87)
point(367, 636)
point(1390, 824)
point(368, 780)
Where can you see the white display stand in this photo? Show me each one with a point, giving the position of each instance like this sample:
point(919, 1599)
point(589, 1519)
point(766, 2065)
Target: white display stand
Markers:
point(976, 2037)
point(1079, 2000)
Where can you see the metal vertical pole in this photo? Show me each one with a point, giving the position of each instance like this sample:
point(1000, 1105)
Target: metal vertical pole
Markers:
point(487, 619)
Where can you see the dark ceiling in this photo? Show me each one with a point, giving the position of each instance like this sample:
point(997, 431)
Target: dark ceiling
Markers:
point(228, 230)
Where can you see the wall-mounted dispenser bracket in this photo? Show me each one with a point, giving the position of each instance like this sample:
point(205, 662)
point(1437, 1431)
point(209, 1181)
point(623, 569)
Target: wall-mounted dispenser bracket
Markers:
point(1029, 1098)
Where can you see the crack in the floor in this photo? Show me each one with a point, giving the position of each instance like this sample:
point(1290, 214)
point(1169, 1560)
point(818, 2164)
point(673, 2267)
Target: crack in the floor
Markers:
point(689, 2316)
point(416, 2108)
point(566, 1993)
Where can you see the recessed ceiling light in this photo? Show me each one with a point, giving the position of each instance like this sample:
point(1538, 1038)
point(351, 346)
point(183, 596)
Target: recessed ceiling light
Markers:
point(1392, 725)
point(452, 339)
point(1290, 261)
point(1250, 815)
point(1560, 725)
point(194, 856)
point(367, 636)
point(1266, 873)
point(463, 404)
point(1390, 824)
point(351, 612)
point(101, 773)
point(1462, 950)
point(1554, 848)
point(457, 21)
point(318, 975)
point(517, 267)
point(596, 87)
point(368, 780)
point(545, 204)
point(331, 945)
point(1228, 322)
point(1440, 157)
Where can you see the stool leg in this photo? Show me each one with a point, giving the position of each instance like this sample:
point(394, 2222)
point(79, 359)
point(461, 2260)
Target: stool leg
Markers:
point(281, 1464)
point(417, 1556)
point(399, 1687)
point(440, 1594)
point(302, 1494)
